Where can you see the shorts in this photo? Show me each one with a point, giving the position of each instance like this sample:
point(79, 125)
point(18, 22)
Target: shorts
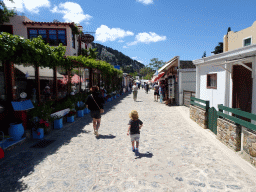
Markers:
point(96, 114)
point(135, 137)
point(156, 93)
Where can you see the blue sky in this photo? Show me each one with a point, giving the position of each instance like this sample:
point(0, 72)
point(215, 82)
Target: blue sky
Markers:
point(146, 29)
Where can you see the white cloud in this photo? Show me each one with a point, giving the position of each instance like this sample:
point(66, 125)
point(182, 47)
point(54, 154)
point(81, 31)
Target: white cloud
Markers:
point(125, 47)
point(120, 41)
point(104, 33)
point(30, 5)
point(72, 12)
point(147, 38)
point(134, 58)
point(146, 2)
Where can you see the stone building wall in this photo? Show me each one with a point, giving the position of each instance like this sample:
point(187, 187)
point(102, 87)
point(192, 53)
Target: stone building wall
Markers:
point(249, 144)
point(198, 115)
point(229, 133)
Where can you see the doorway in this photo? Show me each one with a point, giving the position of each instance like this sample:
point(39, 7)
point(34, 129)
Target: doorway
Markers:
point(242, 88)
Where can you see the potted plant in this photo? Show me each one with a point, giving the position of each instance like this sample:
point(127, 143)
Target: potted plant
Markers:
point(16, 130)
point(47, 130)
point(114, 94)
point(39, 129)
point(80, 109)
point(71, 116)
point(58, 122)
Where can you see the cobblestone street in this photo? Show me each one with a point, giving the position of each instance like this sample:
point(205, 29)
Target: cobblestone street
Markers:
point(176, 154)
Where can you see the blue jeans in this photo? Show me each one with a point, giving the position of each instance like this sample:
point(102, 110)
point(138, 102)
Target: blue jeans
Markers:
point(161, 98)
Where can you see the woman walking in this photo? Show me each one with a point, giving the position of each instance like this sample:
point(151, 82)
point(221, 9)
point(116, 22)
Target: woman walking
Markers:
point(146, 87)
point(95, 103)
point(135, 92)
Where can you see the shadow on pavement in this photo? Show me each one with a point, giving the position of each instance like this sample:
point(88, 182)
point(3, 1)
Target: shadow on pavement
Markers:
point(148, 155)
point(106, 137)
point(20, 161)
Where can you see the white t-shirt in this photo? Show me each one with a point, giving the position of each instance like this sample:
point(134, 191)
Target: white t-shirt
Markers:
point(134, 88)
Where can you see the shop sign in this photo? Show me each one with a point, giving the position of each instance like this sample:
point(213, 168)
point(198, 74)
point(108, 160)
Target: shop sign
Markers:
point(87, 38)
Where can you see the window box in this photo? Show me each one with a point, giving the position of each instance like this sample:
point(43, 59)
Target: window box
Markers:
point(211, 81)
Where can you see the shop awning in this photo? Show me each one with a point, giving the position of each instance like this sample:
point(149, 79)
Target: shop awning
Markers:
point(159, 76)
point(44, 73)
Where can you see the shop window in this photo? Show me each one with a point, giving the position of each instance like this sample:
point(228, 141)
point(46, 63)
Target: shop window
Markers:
point(6, 28)
point(2, 88)
point(212, 81)
point(52, 36)
point(62, 83)
point(73, 41)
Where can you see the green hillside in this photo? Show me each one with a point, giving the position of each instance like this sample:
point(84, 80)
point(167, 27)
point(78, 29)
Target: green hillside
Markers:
point(115, 57)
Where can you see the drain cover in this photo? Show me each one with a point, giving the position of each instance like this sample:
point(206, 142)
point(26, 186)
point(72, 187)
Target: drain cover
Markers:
point(42, 144)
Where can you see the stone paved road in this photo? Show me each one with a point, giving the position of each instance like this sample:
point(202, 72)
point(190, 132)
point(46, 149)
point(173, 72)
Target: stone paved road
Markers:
point(175, 155)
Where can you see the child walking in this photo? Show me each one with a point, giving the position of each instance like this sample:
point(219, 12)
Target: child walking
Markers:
point(135, 125)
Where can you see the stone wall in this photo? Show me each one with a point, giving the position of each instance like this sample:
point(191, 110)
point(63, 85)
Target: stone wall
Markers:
point(198, 115)
point(249, 144)
point(229, 133)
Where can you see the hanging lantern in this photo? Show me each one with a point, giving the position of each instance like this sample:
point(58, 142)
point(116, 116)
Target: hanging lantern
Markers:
point(87, 38)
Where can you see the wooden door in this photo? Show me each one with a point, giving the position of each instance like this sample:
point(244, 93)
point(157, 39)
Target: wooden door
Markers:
point(242, 88)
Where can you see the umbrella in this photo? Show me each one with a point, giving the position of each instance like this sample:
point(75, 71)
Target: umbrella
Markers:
point(64, 80)
point(75, 79)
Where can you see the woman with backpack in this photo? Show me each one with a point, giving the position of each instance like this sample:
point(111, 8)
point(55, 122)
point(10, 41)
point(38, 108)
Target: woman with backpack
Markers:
point(95, 103)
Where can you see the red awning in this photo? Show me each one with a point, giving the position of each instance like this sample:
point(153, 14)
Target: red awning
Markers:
point(159, 76)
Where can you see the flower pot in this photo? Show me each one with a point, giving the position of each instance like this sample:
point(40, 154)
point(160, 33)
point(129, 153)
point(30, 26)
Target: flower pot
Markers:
point(114, 97)
point(16, 131)
point(70, 119)
point(80, 113)
point(38, 134)
point(109, 99)
point(58, 123)
point(86, 111)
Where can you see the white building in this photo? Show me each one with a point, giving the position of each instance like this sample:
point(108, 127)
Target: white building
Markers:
point(228, 78)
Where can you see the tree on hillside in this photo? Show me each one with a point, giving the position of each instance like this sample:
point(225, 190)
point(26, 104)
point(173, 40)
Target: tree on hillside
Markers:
point(148, 76)
point(91, 53)
point(133, 74)
point(5, 13)
point(218, 49)
point(155, 64)
point(146, 70)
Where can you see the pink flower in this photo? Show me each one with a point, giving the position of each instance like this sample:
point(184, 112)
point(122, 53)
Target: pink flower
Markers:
point(47, 124)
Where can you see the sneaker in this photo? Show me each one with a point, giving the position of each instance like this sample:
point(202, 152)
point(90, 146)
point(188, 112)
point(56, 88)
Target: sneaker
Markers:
point(133, 149)
point(136, 151)
point(96, 133)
